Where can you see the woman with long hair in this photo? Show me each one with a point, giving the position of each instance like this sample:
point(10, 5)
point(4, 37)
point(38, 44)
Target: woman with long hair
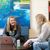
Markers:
point(12, 29)
point(41, 42)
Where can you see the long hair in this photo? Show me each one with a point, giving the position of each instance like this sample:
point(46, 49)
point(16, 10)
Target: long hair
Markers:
point(8, 24)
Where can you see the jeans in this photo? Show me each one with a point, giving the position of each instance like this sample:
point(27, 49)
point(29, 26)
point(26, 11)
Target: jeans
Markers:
point(40, 46)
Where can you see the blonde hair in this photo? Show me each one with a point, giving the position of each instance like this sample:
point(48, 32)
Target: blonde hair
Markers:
point(42, 16)
point(8, 24)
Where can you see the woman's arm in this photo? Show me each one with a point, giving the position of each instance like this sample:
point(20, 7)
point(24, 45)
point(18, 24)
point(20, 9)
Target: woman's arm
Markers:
point(4, 33)
point(43, 36)
point(44, 33)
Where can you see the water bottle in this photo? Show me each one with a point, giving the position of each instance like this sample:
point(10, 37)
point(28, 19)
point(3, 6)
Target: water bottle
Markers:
point(18, 44)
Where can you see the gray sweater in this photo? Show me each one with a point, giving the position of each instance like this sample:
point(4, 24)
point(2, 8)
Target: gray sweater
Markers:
point(45, 34)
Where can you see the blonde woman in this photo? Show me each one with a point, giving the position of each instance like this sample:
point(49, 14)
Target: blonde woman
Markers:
point(40, 19)
point(12, 29)
point(41, 40)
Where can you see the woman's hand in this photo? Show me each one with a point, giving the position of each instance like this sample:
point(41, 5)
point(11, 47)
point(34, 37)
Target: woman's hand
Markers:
point(27, 44)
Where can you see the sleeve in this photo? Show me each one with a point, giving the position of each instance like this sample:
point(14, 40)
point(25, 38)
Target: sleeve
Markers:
point(4, 33)
point(44, 34)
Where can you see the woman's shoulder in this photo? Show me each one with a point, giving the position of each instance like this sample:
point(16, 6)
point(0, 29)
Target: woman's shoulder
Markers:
point(47, 24)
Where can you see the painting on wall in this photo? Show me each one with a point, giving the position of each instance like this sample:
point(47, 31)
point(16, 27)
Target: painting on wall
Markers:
point(17, 8)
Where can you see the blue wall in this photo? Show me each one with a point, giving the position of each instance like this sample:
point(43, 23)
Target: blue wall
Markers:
point(22, 15)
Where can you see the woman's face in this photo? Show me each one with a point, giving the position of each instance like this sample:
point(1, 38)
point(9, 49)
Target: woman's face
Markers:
point(12, 21)
point(39, 20)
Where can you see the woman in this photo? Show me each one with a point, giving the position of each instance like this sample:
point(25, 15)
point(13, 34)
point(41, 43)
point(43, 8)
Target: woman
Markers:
point(12, 29)
point(41, 41)
point(40, 19)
